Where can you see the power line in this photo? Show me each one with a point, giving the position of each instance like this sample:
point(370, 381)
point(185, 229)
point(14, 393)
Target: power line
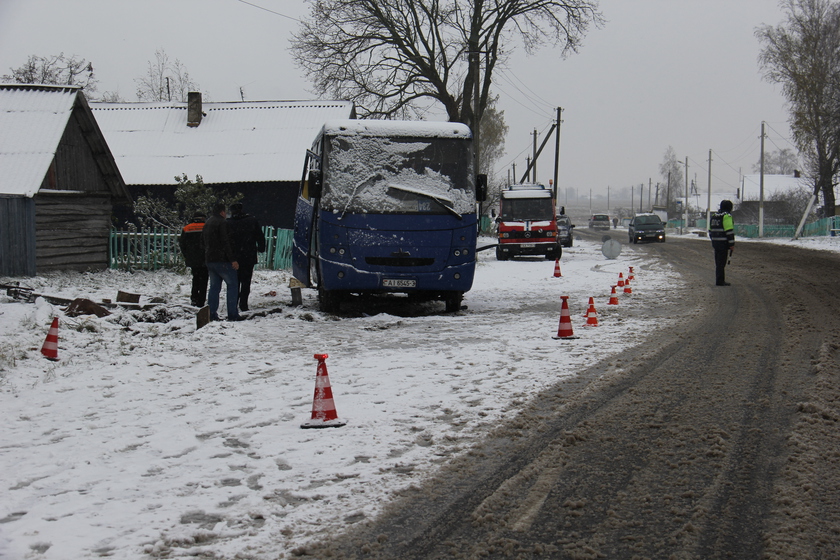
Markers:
point(270, 11)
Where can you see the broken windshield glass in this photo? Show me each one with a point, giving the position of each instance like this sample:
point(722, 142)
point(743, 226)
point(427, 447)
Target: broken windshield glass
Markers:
point(398, 176)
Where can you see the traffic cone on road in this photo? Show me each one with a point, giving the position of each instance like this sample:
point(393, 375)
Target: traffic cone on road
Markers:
point(324, 414)
point(591, 314)
point(590, 307)
point(557, 268)
point(565, 330)
point(613, 297)
point(620, 280)
point(631, 276)
point(627, 288)
point(50, 347)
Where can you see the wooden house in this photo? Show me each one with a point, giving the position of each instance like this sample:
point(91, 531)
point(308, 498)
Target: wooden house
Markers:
point(58, 182)
point(255, 148)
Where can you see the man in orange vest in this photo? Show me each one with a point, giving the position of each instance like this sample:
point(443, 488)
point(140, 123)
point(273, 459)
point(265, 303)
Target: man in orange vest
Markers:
point(191, 242)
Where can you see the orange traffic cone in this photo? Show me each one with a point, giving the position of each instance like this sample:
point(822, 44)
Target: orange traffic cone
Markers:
point(627, 288)
point(323, 406)
point(591, 315)
point(590, 308)
point(620, 280)
point(565, 331)
point(613, 298)
point(50, 347)
point(631, 276)
point(557, 268)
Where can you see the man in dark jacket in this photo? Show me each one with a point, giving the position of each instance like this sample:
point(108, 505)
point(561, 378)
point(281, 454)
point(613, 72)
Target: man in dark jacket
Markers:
point(247, 239)
point(722, 234)
point(221, 264)
point(191, 242)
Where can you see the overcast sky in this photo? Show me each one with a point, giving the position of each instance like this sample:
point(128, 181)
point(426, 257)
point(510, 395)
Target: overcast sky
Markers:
point(660, 73)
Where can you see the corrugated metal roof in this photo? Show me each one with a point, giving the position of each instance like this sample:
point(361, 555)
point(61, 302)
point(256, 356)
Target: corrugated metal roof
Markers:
point(235, 142)
point(32, 121)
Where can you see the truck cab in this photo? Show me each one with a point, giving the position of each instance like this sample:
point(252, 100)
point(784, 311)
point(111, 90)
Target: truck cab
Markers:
point(527, 222)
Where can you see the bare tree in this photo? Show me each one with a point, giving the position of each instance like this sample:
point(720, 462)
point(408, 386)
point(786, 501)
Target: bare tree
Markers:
point(55, 70)
point(395, 59)
point(780, 162)
point(165, 80)
point(672, 178)
point(803, 55)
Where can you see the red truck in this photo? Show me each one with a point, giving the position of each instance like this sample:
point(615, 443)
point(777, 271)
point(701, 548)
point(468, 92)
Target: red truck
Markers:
point(527, 222)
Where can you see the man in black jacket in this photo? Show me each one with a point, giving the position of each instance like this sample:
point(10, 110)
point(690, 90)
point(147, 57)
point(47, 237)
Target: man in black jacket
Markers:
point(221, 264)
point(247, 239)
point(191, 242)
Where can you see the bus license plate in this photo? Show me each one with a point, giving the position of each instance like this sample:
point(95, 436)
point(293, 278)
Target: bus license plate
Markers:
point(527, 245)
point(398, 283)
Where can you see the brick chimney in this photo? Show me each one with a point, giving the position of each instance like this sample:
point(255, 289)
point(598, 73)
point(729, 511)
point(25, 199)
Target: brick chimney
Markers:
point(194, 113)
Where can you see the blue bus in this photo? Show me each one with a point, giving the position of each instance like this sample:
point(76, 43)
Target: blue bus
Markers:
point(388, 207)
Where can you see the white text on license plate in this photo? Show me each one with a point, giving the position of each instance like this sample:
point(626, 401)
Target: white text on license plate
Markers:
point(398, 283)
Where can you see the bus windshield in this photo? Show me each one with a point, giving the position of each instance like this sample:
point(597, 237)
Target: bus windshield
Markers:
point(376, 175)
point(522, 209)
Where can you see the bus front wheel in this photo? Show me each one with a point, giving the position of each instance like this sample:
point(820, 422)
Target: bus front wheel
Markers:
point(453, 302)
point(329, 301)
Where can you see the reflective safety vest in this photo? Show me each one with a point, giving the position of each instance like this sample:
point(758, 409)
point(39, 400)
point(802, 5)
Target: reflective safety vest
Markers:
point(721, 228)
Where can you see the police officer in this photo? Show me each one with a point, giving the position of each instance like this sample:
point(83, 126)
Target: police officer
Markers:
point(722, 234)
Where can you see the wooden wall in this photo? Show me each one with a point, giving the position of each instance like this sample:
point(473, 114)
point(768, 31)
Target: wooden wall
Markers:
point(72, 231)
point(17, 236)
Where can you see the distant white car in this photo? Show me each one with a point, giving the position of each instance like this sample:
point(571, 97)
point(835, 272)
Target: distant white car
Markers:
point(599, 221)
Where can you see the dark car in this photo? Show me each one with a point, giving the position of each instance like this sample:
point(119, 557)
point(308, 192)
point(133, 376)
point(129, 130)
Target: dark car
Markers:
point(646, 227)
point(599, 221)
point(565, 231)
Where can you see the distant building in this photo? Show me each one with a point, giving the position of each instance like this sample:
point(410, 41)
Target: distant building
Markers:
point(255, 148)
point(58, 182)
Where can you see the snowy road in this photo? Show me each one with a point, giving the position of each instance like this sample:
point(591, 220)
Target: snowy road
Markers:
point(717, 440)
point(149, 439)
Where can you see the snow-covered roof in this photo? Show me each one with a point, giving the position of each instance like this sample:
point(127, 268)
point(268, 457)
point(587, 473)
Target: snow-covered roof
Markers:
point(410, 129)
point(32, 121)
point(249, 141)
point(527, 190)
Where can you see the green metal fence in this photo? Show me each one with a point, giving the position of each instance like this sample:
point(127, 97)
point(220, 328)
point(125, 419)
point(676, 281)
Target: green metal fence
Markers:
point(157, 248)
point(826, 226)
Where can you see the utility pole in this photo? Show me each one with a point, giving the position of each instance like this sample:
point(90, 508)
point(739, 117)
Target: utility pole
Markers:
point(476, 143)
point(709, 197)
point(557, 151)
point(632, 198)
point(650, 187)
point(534, 171)
point(761, 187)
point(608, 199)
point(641, 196)
point(685, 206)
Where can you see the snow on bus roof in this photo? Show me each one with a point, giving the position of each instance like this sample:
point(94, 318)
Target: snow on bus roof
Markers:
point(409, 129)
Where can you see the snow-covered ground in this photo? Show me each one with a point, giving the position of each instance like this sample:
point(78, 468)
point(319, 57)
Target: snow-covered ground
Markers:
point(149, 438)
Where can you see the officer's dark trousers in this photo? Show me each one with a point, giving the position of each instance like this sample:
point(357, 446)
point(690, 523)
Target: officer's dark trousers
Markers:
point(721, 255)
point(245, 273)
point(198, 294)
